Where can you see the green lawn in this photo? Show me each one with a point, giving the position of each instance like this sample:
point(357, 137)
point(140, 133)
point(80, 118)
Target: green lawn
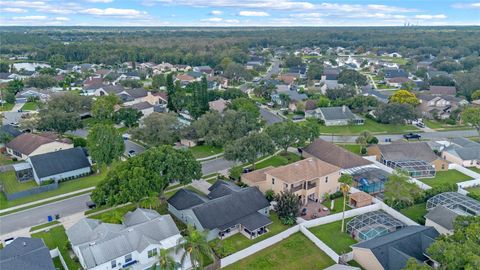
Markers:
point(446, 177)
point(6, 107)
point(238, 241)
point(369, 125)
point(332, 236)
point(443, 126)
point(475, 191)
point(278, 160)
point(115, 215)
point(202, 151)
point(11, 185)
point(64, 187)
point(195, 190)
point(5, 160)
point(416, 212)
point(295, 252)
point(29, 106)
point(474, 169)
point(337, 206)
point(56, 237)
point(41, 226)
point(354, 148)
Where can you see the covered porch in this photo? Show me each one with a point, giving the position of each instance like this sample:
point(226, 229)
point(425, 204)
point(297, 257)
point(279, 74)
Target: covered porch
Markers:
point(250, 226)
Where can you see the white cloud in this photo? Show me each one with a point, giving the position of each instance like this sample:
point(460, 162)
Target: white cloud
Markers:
point(114, 12)
point(29, 18)
point(466, 5)
point(13, 10)
point(246, 13)
point(216, 12)
point(23, 4)
point(100, 1)
point(214, 19)
point(63, 19)
point(430, 17)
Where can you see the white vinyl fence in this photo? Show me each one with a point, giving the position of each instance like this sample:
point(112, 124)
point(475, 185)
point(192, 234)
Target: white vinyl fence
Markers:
point(56, 253)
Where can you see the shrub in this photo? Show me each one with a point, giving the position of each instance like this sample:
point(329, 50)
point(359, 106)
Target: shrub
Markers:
point(14, 159)
point(79, 142)
point(336, 195)
point(363, 151)
point(235, 172)
point(270, 195)
point(373, 140)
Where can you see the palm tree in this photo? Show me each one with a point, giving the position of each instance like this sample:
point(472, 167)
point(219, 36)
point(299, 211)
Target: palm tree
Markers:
point(165, 261)
point(195, 246)
point(151, 202)
point(346, 182)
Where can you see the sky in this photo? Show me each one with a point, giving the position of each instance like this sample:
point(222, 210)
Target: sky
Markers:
point(239, 12)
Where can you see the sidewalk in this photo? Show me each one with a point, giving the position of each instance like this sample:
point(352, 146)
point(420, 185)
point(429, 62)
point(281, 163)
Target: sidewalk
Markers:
point(47, 200)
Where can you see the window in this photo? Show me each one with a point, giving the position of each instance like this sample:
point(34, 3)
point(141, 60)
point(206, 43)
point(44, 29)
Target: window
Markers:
point(152, 253)
point(273, 181)
point(326, 179)
point(443, 166)
point(128, 258)
point(114, 263)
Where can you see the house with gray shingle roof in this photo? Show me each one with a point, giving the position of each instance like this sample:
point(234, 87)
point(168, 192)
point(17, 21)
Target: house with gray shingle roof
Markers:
point(135, 242)
point(26, 253)
point(335, 116)
point(227, 210)
point(463, 151)
point(392, 251)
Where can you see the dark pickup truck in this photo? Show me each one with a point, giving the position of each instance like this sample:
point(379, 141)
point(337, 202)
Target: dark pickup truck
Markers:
point(412, 136)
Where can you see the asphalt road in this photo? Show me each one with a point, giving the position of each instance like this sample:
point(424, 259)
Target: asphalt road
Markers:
point(216, 165)
point(274, 69)
point(38, 215)
point(129, 145)
point(270, 117)
point(425, 135)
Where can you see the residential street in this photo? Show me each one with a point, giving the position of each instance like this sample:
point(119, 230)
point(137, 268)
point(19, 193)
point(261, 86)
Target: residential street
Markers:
point(38, 215)
point(270, 117)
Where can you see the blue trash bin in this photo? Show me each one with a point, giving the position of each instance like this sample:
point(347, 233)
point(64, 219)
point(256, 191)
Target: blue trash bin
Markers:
point(50, 218)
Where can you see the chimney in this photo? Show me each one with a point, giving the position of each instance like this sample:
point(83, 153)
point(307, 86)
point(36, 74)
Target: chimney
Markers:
point(24, 244)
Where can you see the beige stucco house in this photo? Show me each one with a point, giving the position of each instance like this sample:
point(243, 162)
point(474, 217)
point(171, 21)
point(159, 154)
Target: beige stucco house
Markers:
point(28, 144)
point(310, 179)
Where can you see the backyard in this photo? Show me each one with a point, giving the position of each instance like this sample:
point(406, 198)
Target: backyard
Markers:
point(416, 212)
point(5, 160)
point(238, 241)
point(11, 184)
point(446, 177)
point(369, 125)
point(56, 237)
point(474, 191)
point(295, 252)
point(64, 187)
point(202, 151)
point(332, 236)
point(337, 206)
point(278, 160)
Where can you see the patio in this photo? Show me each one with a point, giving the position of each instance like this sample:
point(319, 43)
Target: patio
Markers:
point(313, 210)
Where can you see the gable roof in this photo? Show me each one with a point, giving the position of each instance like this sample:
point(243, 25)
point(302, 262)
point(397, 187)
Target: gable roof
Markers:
point(26, 143)
point(59, 162)
point(303, 170)
point(222, 188)
point(443, 90)
point(141, 106)
point(394, 249)
point(26, 253)
point(407, 151)
point(335, 155)
point(442, 216)
point(11, 130)
point(337, 113)
point(137, 92)
point(99, 242)
point(227, 211)
point(184, 199)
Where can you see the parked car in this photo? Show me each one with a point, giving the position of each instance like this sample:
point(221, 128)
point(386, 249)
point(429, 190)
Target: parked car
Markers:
point(91, 204)
point(420, 125)
point(132, 153)
point(409, 136)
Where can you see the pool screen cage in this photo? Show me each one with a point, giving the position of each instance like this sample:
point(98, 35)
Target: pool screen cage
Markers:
point(415, 168)
point(372, 224)
point(455, 201)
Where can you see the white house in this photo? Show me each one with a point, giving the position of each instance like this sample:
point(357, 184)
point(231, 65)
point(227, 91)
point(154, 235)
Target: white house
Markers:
point(134, 244)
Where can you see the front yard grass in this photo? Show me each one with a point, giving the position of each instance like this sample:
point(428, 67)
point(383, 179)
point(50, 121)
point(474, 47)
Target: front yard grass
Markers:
point(416, 212)
point(443, 126)
point(115, 215)
point(56, 237)
point(203, 151)
point(29, 106)
point(278, 160)
point(332, 236)
point(354, 148)
point(64, 187)
point(11, 184)
point(5, 107)
point(41, 226)
point(295, 252)
point(238, 241)
point(370, 125)
point(446, 177)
